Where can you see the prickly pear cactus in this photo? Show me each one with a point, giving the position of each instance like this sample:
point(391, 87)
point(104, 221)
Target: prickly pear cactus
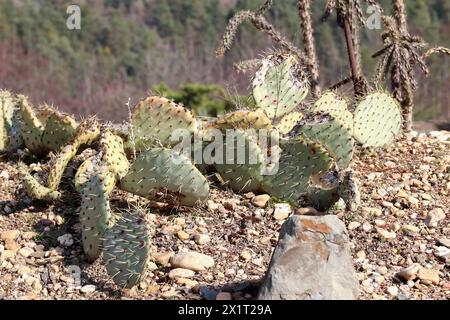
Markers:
point(34, 188)
point(11, 121)
point(126, 252)
point(31, 127)
point(378, 120)
point(59, 129)
point(336, 106)
point(95, 213)
point(83, 173)
point(288, 122)
point(162, 174)
point(155, 119)
point(280, 85)
point(241, 163)
point(86, 133)
point(331, 133)
point(113, 154)
point(243, 119)
point(304, 168)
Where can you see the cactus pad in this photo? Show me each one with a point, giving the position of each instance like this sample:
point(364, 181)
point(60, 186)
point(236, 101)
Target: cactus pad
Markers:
point(242, 161)
point(113, 154)
point(95, 213)
point(155, 119)
point(244, 120)
point(59, 129)
point(86, 133)
point(163, 175)
point(31, 126)
point(378, 120)
point(288, 122)
point(280, 85)
point(33, 188)
point(302, 166)
point(126, 252)
point(330, 133)
point(336, 106)
point(11, 121)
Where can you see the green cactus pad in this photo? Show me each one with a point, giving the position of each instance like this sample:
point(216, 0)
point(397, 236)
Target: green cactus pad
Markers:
point(279, 85)
point(127, 252)
point(155, 119)
point(95, 213)
point(59, 129)
point(31, 126)
point(10, 123)
point(35, 189)
point(288, 122)
point(243, 120)
point(241, 165)
point(113, 154)
point(163, 175)
point(83, 173)
point(378, 120)
point(329, 132)
point(86, 133)
point(303, 164)
point(331, 103)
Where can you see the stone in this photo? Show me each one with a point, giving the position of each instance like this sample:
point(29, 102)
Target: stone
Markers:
point(66, 240)
point(385, 234)
point(261, 201)
point(442, 253)
point(230, 204)
point(7, 254)
point(307, 211)
point(181, 273)
point(163, 258)
point(445, 242)
point(2, 248)
point(246, 256)
point(89, 288)
point(201, 239)
point(25, 252)
point(434, 217)
point(9, 234)
point(410, 228)
point(183, 235)
point(282, 211)
point(367, 227)
point(409, 273)
point(368, 211)
point(180, 221)
point(187, 282)
point(192, 260)
point(392, 291)
point(353, 225)
point(23, 270)
point(380, 223)
point(312, 261)
point(12, 245)
point(431, 275)
point(224, 296)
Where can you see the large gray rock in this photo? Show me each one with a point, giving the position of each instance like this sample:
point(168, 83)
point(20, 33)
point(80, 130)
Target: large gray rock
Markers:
point(312, 261)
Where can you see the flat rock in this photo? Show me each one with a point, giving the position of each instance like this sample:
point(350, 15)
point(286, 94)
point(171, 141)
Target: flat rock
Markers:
point(409, 273)
point(282, 211)
point(202, 239)
point(434, 217)
point(89, 288)
point(261, 200)
point(312, 261)
point(9, 235)
point(163, 258)
point(431, 275)
point(181, 273)
point(192, 260)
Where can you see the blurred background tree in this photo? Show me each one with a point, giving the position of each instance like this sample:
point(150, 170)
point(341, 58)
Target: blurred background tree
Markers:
point(125, 48)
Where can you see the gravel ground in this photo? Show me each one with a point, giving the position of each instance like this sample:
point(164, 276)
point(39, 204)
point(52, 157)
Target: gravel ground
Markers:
point(400, 237)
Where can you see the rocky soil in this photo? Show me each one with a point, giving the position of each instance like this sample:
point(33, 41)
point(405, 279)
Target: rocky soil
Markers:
point(400, 237)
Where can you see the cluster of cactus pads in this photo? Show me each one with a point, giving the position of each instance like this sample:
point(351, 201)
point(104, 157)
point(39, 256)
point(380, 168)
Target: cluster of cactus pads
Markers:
point(306, 161)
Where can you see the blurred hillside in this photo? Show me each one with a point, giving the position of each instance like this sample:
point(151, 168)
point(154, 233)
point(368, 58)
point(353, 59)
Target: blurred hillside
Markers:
point(127, 47)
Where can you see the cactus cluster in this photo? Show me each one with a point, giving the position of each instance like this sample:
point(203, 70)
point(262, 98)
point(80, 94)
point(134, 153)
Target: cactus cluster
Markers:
point(303, 158)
